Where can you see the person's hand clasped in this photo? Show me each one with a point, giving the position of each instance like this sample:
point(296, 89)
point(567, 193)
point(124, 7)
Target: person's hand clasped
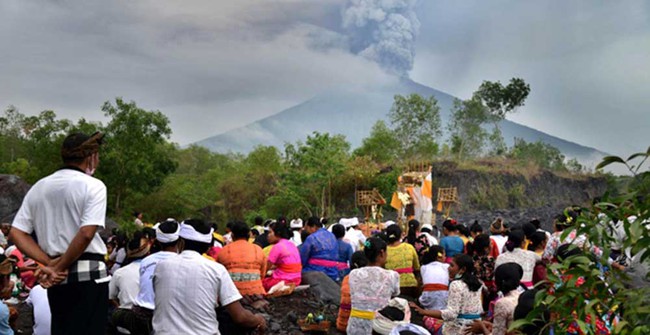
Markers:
point(50, 275)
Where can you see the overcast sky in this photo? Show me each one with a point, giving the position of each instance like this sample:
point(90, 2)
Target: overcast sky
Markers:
point(212, 66)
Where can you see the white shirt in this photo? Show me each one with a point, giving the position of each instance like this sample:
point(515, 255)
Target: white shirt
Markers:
point(125, 284)
point(355, 238)
point(120, 257)
point(296, 238)
point(500, 240)
point(188, 288)
point(42, 315)
point(435, 273)
point(146, 296)
point(526, 258)
point(58, 205)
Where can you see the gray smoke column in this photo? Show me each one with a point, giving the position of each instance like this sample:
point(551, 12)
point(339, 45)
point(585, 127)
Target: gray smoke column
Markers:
point(383, 31)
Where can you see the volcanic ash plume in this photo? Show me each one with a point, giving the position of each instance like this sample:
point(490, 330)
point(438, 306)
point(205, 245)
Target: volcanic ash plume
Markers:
point(383, 31)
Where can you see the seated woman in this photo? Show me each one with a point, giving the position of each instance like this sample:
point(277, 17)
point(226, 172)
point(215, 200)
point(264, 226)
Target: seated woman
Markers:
point(6, 268)
point(284, 258)
point(507, 278)
point(562, 221)
point(245, 262)
point(359, 260)
point(345, 250)
point(452, 243)
point(464, 302)
point(371, 287)
point(435, 279)
point(25, 268)
point(537, 245)
point(525, 258)
point(403, 259)
point(484, 265)
point(419, 241)
point(320, 251)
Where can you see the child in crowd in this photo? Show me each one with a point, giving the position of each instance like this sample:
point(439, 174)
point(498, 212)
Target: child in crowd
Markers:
point(464, 302)
point(435, 279)
point(451, 242)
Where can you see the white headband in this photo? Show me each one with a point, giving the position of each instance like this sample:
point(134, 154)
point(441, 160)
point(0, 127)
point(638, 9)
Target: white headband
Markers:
point(167, 237)
point(189, 233)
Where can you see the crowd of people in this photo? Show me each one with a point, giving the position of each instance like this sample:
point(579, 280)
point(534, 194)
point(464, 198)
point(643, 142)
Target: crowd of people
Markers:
point(183, 277)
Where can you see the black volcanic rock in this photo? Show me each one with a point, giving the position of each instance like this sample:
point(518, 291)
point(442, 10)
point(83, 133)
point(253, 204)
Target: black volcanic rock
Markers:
point(12, 192)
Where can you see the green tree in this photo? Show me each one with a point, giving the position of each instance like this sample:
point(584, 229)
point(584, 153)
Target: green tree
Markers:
point(138, 157)
point(45, 137)
point(193, 188)
point(416, 123)
point(501, 100)
point(382, 145)
point(12, 136)
point(36, 140)
point(251, 182)
point(314, 169)
point(467, 135)
point(542, 154)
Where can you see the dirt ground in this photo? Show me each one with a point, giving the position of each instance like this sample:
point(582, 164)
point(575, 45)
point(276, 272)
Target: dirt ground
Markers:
point(283, 314)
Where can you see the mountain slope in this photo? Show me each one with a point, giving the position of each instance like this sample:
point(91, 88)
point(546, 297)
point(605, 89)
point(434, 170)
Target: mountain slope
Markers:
point(353, 114)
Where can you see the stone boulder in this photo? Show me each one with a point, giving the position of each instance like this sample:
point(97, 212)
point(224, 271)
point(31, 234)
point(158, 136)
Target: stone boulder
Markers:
point(327, 290)
point(12, 191)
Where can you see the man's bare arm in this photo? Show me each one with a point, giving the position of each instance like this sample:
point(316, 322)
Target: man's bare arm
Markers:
point(246, 318)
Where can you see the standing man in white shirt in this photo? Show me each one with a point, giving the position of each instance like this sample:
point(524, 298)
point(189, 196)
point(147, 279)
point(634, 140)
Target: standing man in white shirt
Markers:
point(64, 210)
point(189, 287)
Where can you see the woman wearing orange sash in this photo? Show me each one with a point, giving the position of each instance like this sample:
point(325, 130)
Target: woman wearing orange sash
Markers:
point(244, 261)
point(284, 258)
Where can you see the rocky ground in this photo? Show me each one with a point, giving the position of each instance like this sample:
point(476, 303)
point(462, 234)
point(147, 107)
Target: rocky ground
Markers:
point(511, 216)
point(283, 314)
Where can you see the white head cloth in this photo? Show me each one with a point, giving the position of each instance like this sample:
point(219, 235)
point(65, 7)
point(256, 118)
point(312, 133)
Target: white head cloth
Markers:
point(167, 237)
point(189, 233)
point(296, 223)
point(347, 223)
point(388, 223)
